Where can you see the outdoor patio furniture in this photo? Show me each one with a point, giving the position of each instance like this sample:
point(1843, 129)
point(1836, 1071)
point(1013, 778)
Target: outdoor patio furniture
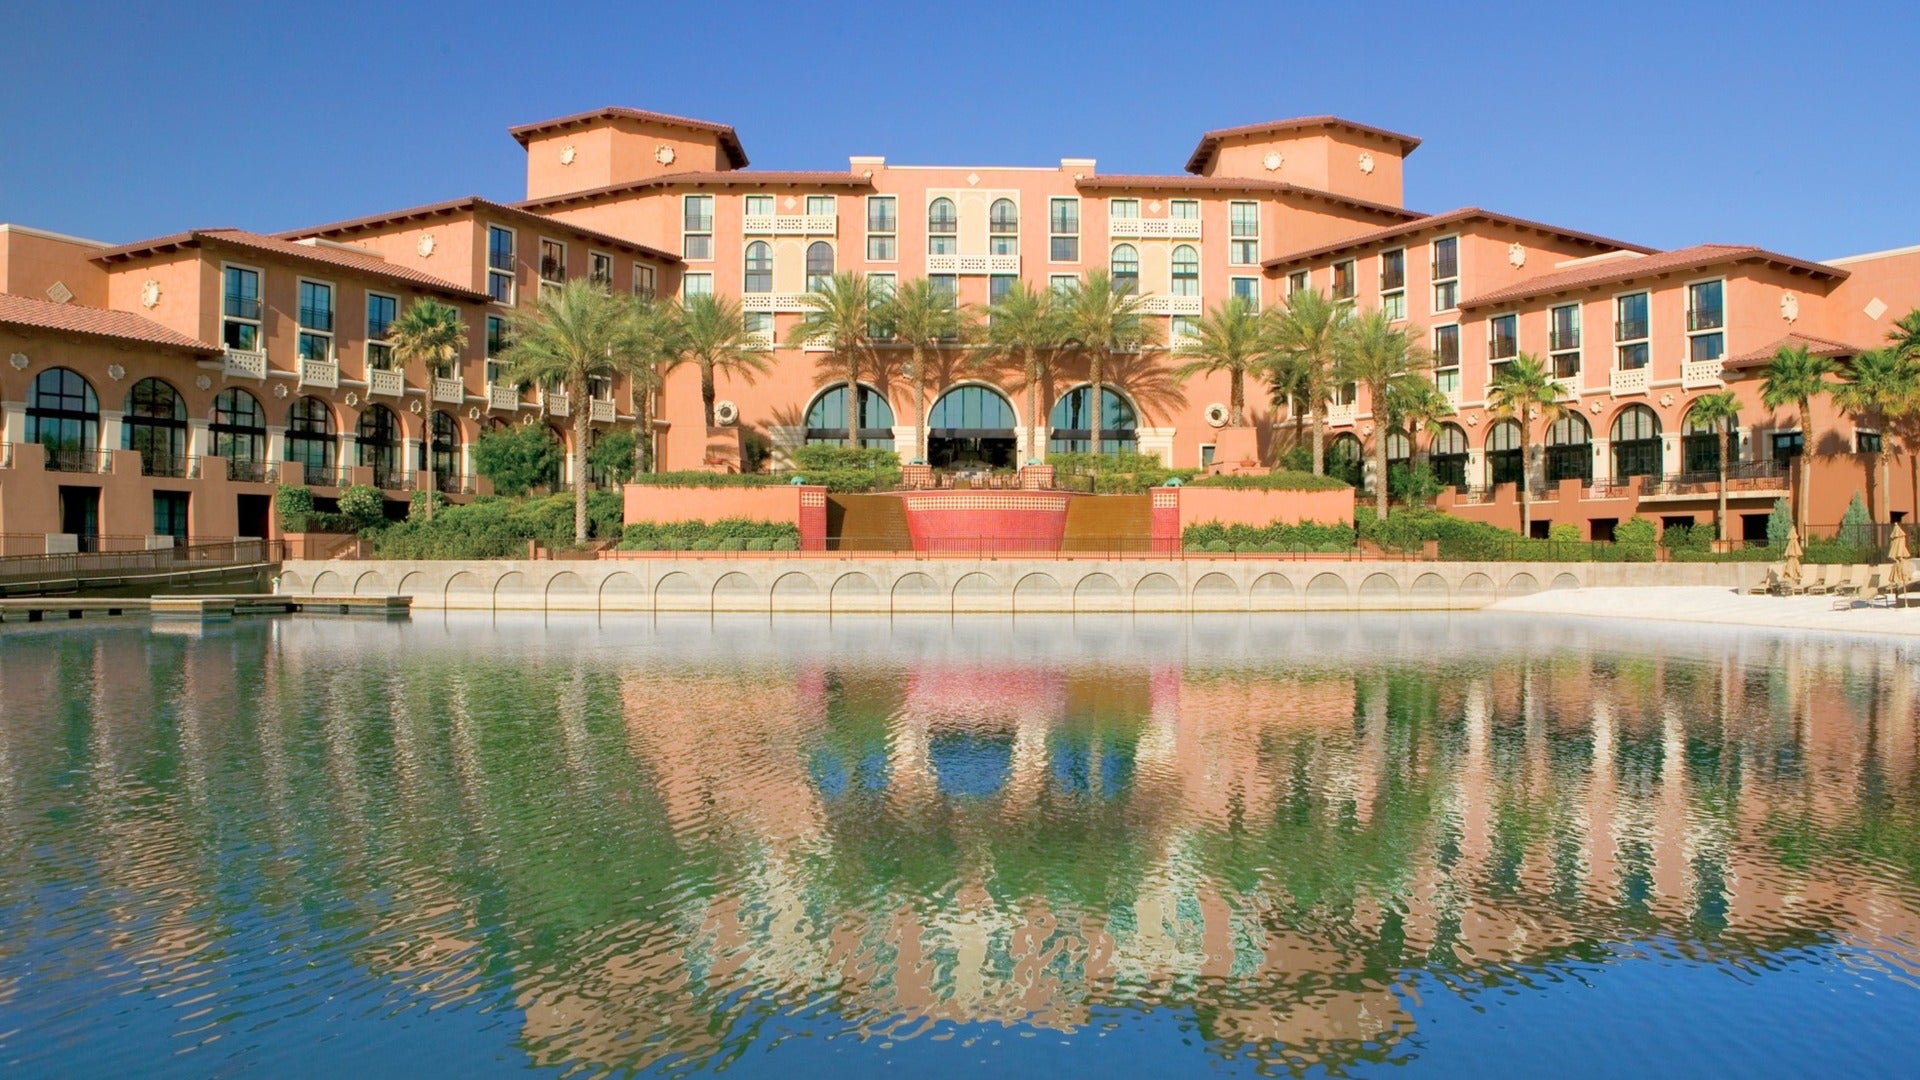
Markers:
point(1770, 582)
point(1849, 580)
point(1819, 581)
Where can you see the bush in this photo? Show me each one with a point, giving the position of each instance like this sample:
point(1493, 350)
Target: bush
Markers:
point(1637, 536)
point(1296, 458)
point(417, 506)
point(1217, 547)
point(1565, 532)
point(1414, 486)
point(1124, 473)
point(1278, 480)
point(1856, 527)
point(824, 457)
point(1779, 524)
point(786, 544)
point(612, 456)
point(1687, 539)
point(1304, 536)
point(492, 527)
point(364, 506)
point(295, 503)
point(726, 534)
point(518, 458)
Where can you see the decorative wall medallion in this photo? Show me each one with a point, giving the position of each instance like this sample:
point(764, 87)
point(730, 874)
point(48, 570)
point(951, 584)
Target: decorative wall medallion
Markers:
point(204, 382)
point(473, 413)
point(1516, 255)
point(1875, 308)
point(415, 406)
point(280, 390)
point(150, 294)
point(18, 360)
point(1789, 306)
point(663, 154)
point(1272, 160)
point(1666, 401)
point(1473, 419)
point(1366, 163)
point(59, 293)
point(973, 178)
point(1153, 206)
point(425, 246)
point(567, 154)
point(116, 372)
point(352, 399)
point(1594, 408)
point(791, 202)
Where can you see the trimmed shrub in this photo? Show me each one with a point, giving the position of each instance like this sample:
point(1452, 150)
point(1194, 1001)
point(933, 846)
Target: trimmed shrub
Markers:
point(1779, 523)
point(1278, 480)
point(612, 456)
point(417, 506)
point(364, 506)
point(726, 534)
point(1565, 532)
point(786, 543)
point(1856, 527)
point(518, 457)
point(1304, 536)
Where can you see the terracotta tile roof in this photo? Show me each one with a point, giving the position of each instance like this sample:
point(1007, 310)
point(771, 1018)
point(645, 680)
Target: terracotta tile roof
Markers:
point(314, 253)
point(1121, 182)
point(1210, 141)
point(1818, 346)
point(729, 140)
point(94, 322)
point(1610, 271)
point(696, 179)
point(1435, 221)
point(478, 205)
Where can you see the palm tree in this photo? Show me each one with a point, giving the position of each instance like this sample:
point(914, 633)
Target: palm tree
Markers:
point(924, 317)
point(840, 315)
point(1374, 353)
point(1795, 377)
point(1719, 409)
point(660, 334)
point(1104, 319)
point(574, 334)
point(1027, 326)
point(1415, 403)
point(1905, 339)
point(1880, 383)
point(431, 334)
point(1525, 390)
point(713, 337)
point(1306, 346)
point(1236, 339)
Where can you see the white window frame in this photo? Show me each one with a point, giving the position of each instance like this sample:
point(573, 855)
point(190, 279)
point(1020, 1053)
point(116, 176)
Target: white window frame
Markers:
point(511, 275)
point(1199, 271)
point(1645, 339)
point(746, 207)
point(1686, 300)
point(1079, 227)
point(1353, 281)
point(594, 258)
point(1436, 280)
point(872, 234)
point(1554, 350)
point(260, 324)
point(1387, 295)
point(1063, 281)
point(745, 246)
point(1123, 208)
point(1174, 205)
point(1299, 281)
point(1004, 243)
point(373, 342)
point(496, 368)
point(540, 264)
point(1441, 368)
point(951, 238)
point(832, 204)
point(1236, 240)
point(1493, 361)
point(688, 279)
point(300, 330)
point(686, 233)
point(873, 283)
point(1233, 287)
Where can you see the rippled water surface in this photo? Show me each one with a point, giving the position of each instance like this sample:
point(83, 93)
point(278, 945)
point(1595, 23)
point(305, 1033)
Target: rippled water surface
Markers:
point(1319, 845)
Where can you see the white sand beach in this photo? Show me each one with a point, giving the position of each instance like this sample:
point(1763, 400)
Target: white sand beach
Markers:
point(1719, 606)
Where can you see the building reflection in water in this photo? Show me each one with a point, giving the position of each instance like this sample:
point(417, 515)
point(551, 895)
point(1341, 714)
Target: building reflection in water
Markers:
point(644, 840)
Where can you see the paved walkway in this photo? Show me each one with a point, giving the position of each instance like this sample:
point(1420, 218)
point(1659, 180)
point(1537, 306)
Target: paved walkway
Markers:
point(1698, 604)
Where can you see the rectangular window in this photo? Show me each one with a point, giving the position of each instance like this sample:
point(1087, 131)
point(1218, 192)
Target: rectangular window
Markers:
point(1503, 337)
point(820, 206)
point(883, 224)
point(1063, 282)
point(1563, 340)
point(882, 286)
point(1124, 209)
point(1630, 327)
point(1866, 442)
point(1063, 230)
point(496, 348)
point(600, 269)
point(553, 264)
point(643, 283)
point(1393, 270)
point(1297, 282)
point(500, 268)
point(381, 311)
point(1706, 320)
point(1184, 209)
point(1247, 290)
point(1243, 220)
point(759, 206)
point(1394, 305)
point(759, 327)
point(1446, 296)
point(1344, 286)
point(241, 309)
point(882, 248)
point(692, 285)
point(316, 321)
point(1788, 444)
point(998, 286)
point(1446, 346)
point(947, 285)
point(1446, 273)
point(696, 226)
point(1185, 328)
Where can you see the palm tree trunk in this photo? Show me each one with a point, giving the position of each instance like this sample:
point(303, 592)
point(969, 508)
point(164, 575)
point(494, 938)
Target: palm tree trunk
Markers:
point(919, 403)
point(706, 390)
point(426, 442)
point(853, 401)
point(1526, 471)
point(1806, 468)
point(1236, 396)
point(1033, 404)
point(1319, 441)
point(1721, 457)
point(642, 432)
point(582, 427)
point(1380, 461)
point(1094, 385)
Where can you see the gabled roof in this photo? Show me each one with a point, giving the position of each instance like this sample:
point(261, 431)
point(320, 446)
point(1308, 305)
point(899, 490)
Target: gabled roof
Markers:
point(1436, 221)
point(1119, 182)
point(321, 254)
point(1210, 141)
point(94, 322)
point(729, 141)
point(1817, 346)
point(479, 205)
point(1611, 271)
point(854, 181)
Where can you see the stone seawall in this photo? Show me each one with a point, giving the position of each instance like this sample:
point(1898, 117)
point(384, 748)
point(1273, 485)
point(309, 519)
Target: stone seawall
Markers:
point(947, 586)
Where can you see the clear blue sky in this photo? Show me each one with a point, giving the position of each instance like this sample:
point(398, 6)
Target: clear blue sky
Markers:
point(1788, 125)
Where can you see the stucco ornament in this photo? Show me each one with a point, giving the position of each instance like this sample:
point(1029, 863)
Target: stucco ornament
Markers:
point(1594, 408)
point(352, 399)
point(415, 406)
point(425, 246)
point(1153, 206)
point(973, 178)
point(473, 413)
point(1666, 401)
point(663, 154)
point(116, 372)
point(150, 294)
point(1366, 163)
point(59, 293)
point(1875, 308)
point(1789, 306)
point(1473, 419)
point(280, 390)
point(567, 154)
point(18, 360)
point(204, 382)
point(1272, 161)
point(791, 202)
point(1516, 255)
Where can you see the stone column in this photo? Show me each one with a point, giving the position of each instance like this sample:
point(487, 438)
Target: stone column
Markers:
point(199, 439)
point(110, 425)
point(13, 422)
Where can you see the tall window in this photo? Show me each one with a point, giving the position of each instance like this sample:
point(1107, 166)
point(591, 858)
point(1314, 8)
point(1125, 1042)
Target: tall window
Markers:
point(446, 453)
point(1504, 464)
point(311, 440)
point(600, 269)
point(1247, 291)
point(1063, 230)
point(155, 424)
point(643, 281)
point(496, 348)
point(1072, 422)
point(1446, 358)
point(1503, 339)
point(316, 321)
point(1569, 450)
point(820, 206)
point(883, 227)
point(758, 206)
point(1393, 283)
point(1636, 443)
point(998, 286)
point(1126, 268)
point(1344, 285)
point(1563, 340)
point(1243, 232)
point(553, 265)
point(1123, 209)
point(696, 226)
point(1630, 331)
point(882, 287)
point(1446, 273)
point(1186, 270)
point(1448, 456)
point(1701, 447)
point(819, 265)
point(1706, 320)
point(1063, 282)
point(239, 431)
point(826, 420)
point(1184, 209)
point(377, 446)
point(500, 271)
point(759, 274)
point(943, 225)
point(692, 285)
point(63, 415)
point(240, 322)
point(1003, 227)
point(381, 311)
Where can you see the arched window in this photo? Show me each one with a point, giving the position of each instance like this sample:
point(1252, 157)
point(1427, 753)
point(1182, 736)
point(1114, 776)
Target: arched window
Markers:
point(819, 265)
point(971, 427)
point(63, 415)
point(311, 440)
point(1448, 457)
point(156, 425)
point(1003, 222)
point(1186, 271)
point(827, 418)
point(1399, 447)
point(377, 446)
point(1636, 443)
point(971, 408)
point(1503, 454)
point(759, 277)
point(239, 432)
point(1346, 459)
point(1701, 448)
point(1126, 268)
point(942, 225)
point(1569, 450)
point(1072, 422)
point(446, 454)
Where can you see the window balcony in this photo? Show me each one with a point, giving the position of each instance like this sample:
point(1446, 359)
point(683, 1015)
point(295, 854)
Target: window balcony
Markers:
point(1700, 374)
point(1394, 280)
point(385, 383)
point(240, 363)
point(1445, 271)
point(76, 459)
point(1164, 304)
point(774, 302)
point(1707, 319)
point(1341, 415)
point(390, 480)
point(762, 340)
point(1563, 341)
point(503, 398)
point(973, 264)
point(321, 373)
point(1630, 330)
point(1629, 381)
point(791, 224)
point(251, 472)
point(449, 391)
point(557, 403)
point(1154, 228)
point(602, 411)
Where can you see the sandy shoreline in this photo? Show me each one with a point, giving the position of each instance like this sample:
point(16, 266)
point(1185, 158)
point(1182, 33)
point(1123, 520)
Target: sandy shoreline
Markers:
point(1715, 606)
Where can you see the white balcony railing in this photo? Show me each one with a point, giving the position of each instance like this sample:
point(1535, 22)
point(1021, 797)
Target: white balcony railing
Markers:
point(1699, 374)
point(1454, 398)
point(321, 373)
point(771, 301)
point(602, 411)
point(250, 365)
point(1629, 381)
point(449, 391)
point(385, 383)
point(1569, 385)
point(502, 398)
point(1164, 304)
point(1154, 228)
point(760, 340)
point(791, 224)
point(973, 264)
point(1341, 415)
point(557, 403)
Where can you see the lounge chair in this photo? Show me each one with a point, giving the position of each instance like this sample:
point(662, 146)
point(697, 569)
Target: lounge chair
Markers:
point(1820, 581)
point(1878, 592)
point(1850, 581)
point(1770, 582)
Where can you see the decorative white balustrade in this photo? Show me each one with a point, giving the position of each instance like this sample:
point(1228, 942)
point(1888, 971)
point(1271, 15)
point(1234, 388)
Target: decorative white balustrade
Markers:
point(1569, 385)
point(760, 340)
point(1629, 381)
point(1154, 228)
point(250, 365)
point(503, 398)
point(385, 383)
point(1699, 374)
point(1454, 398)
point(973, 264)
point(774, 302)
point(449, 391)
point(791, 224)
point(1341, 415)
point(1164, 304)
point(602, 411)
point(321, 373)
point(557, 403)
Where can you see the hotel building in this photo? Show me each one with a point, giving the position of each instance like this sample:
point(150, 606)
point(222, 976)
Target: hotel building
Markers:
point(162, 388)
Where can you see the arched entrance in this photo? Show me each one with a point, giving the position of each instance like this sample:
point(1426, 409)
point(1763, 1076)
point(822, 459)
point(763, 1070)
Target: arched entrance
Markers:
point(971, 427)
point(1072, 422)
point(827, 419)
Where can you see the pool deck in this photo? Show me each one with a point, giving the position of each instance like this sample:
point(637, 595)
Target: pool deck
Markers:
point(1716, 606)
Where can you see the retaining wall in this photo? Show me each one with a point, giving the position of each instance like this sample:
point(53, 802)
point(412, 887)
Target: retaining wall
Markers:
point(945, 586)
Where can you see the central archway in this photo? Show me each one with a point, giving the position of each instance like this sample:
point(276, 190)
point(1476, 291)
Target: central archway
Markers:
point(1072, 422)
point(971, 427)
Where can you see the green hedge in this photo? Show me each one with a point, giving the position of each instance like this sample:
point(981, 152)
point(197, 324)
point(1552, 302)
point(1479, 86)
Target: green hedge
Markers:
point(1278, 480)
point(1118, 473)
point(726, 534)
point(1216, 538)
point(839, 469)
point(493, 527)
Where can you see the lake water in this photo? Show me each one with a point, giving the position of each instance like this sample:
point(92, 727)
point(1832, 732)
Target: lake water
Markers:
point(1291, 845)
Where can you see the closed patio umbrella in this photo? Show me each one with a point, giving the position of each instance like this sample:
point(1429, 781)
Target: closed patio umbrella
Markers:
point(1899, 573)
point(1791, 571)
